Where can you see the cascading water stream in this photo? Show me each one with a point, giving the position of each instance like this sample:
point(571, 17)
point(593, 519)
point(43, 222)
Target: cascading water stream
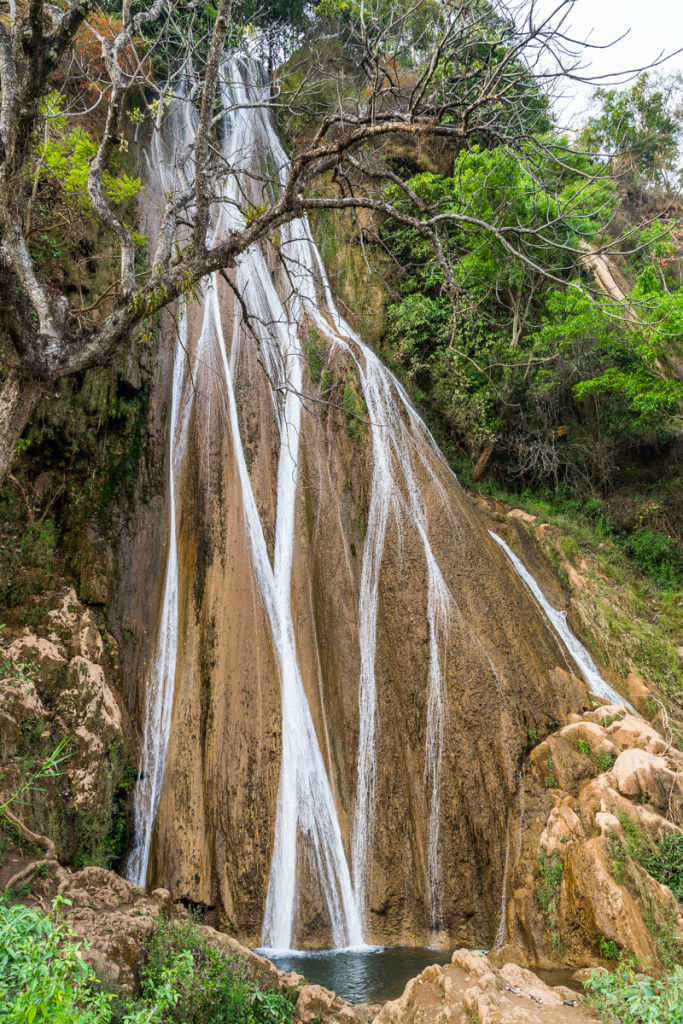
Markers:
point(558, 620)
point(401, 449)
point(159, 689)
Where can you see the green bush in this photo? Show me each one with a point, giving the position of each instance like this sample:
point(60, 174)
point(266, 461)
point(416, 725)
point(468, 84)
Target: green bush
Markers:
point(550, 871)
point(629, 998)
point(43, 977)
point(658, 555)
point(666, 864)
point(219, 991)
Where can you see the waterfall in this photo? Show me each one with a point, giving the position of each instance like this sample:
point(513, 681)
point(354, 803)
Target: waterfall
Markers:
point(394, 490)
point(558, 620)
point(403, 451)
point(159, 688)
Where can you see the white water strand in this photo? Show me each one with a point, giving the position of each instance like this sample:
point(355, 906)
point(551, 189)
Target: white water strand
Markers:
point(392, 444)
point(161, 684)
point(500, 934)
point(305, 801)
point(558, 620)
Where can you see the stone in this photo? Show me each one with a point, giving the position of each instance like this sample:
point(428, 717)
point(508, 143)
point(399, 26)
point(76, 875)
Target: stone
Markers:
point(314, 1001)
point(591, 899)
point(525, 517)
point(64, 620)
point(47, 659)
point(640, 774)
point(509, 955)
point(530, 985)
point(164, 898)
point(631, 732)
point(606, 711)
point(563, 826)
point(591, 733)
point(584, 973)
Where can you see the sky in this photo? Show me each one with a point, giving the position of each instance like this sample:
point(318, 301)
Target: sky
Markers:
point(653, 26)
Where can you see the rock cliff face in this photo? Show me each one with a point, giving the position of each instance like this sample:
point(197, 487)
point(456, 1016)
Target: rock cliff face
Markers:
point(58, 682)
point(603, 795)
point(321, 543)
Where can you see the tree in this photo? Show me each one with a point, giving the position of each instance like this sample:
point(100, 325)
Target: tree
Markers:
point(639, 129)
point(447, 72)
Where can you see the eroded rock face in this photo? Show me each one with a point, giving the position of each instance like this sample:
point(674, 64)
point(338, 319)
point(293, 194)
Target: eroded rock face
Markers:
point(587, 892)
point(62, 685)
point(503, 672)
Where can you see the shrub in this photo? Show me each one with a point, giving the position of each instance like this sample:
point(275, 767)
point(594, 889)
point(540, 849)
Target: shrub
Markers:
point(550, 871)
point(629, 998)
point(219, 990)
point(583, 747)
point(658, 555)
point(666, 863)
point(43, 977)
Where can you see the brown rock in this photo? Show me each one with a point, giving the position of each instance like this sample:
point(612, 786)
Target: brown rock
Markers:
point(530, 985)
point(592, 899)
point(47, 659)
point(509, 955)
point(584, 973)
point(97, 568)
point(525, 517)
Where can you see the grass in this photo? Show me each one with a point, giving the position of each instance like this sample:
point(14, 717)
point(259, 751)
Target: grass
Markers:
point(550, 871)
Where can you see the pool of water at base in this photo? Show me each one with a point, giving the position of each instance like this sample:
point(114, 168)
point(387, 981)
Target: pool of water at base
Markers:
point(369, 974)
point(374, 974)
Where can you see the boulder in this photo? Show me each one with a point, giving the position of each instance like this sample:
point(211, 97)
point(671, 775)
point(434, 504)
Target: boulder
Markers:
point(530, 985)
point(315, 1001)
point(645, 776)
point(563, 826)
point(524, 517)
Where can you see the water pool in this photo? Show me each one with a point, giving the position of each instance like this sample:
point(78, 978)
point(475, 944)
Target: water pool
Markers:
point(365, 975)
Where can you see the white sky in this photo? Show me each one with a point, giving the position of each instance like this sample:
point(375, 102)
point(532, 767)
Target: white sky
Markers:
point(655, 26)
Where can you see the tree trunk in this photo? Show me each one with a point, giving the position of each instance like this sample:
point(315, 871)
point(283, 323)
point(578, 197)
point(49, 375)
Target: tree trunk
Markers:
point(482, 462)
point(18, 399)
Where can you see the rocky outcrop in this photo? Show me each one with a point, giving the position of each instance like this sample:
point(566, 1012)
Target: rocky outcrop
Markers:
point(472, 988)
point(611, 787)
point(60, 684)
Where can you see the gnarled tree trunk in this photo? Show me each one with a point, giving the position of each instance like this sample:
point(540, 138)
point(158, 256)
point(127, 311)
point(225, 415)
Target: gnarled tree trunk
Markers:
point(18, 399)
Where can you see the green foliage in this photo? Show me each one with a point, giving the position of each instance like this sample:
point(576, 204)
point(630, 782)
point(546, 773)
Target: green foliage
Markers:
point(658, 555)
point(550, 871)
point(605, 761)
point(550, 779)
point(583, 746)
point(66, 153)
point(355, 409)
point(639, 127)
point(43, 977)
point(627, 997)
point(219, 990)
point(314, 350)
point(609, 949)
point(665, 863)
point(42, 974)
